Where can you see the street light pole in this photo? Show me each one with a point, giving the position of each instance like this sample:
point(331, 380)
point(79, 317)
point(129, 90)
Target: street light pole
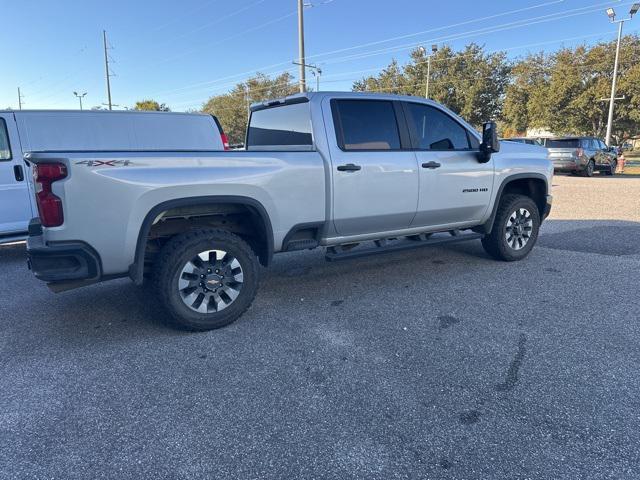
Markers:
point(426, 92)
point(612, 17)
point(434, 49)
point(613, 87)
point(80, 97)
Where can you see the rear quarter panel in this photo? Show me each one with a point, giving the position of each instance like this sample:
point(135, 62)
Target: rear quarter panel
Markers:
point(106, 203)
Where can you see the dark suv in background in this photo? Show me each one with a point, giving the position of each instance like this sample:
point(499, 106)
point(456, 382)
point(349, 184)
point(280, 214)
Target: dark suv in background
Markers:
point(583, 155)
point(526, 140)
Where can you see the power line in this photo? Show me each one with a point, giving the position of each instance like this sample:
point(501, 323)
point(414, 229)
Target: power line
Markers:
point(453, 25)
point(519, 47)
point(185, 14)
point(509, 25)
point(218, 42)
point(46, 77)
point(272, 66)
point(584, 65)
point(217, 21)
point(481, 31)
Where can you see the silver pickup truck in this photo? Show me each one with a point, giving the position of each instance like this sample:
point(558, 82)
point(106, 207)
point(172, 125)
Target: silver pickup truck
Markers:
point(354, 173)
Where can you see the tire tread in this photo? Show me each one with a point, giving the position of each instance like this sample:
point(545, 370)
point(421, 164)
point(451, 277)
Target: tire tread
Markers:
point(494, 243)
point(170, 253)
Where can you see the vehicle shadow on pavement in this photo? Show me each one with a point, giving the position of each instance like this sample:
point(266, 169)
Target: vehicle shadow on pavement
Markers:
point(117, 309)
point(13, 252)
point(106, 310)
point(603, 237)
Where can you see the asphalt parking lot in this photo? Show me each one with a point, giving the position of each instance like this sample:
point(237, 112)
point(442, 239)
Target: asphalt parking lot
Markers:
point(435, 363)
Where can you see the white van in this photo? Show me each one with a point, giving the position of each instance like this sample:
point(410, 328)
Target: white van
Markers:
point(23, 131)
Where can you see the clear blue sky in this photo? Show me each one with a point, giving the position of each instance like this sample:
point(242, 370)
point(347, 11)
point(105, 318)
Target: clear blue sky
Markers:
point(180, 53)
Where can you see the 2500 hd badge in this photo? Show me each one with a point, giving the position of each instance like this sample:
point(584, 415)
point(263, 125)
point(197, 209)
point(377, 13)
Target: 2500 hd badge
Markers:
point(474, 190)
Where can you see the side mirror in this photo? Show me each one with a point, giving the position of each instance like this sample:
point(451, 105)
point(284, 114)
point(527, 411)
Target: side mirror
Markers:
point(490, 143)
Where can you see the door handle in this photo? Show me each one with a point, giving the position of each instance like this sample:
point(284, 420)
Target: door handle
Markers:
point(349, 167)
point(431, 165)
point(18, 172)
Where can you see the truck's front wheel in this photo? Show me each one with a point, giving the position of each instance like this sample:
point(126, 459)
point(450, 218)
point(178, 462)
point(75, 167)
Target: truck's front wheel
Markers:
point(515, 229)
point(206, 278)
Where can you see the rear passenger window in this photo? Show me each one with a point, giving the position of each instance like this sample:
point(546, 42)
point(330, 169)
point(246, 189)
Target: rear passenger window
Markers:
point(367, 125)
point(432, 129)
point(5, 149)
point(283, 126)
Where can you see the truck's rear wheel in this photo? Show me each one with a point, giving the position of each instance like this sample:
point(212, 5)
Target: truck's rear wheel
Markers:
point(206, 278)
point(515, 229)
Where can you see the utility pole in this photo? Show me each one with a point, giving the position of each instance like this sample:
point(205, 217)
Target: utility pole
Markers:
point(106, 68)
point(301, 59)
point(20, 97)
point(612, 17)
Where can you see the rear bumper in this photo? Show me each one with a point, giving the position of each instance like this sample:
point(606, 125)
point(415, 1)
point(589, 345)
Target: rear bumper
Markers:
point(567, 165)
point(60, 261)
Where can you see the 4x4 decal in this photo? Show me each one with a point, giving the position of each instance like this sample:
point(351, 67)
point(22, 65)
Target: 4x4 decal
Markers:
point(105, 163)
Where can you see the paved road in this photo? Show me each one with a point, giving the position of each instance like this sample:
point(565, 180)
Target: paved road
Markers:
point(438, 363)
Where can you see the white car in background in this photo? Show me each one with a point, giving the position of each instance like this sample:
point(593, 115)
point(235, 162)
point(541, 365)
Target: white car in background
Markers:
point(39, 130)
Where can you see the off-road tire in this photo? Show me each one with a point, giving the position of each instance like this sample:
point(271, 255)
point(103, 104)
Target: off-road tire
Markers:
point(495, 244)
point(180, 250)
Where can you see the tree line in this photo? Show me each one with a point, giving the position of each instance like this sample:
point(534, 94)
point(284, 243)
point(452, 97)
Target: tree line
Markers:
point(565, 92)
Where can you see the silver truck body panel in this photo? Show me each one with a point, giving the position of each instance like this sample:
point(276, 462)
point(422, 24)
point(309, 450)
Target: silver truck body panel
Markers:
point(290, 187)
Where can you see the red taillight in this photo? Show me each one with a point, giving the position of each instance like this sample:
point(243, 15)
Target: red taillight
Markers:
point(579, 152)
point(49, 205)
point(225, 141)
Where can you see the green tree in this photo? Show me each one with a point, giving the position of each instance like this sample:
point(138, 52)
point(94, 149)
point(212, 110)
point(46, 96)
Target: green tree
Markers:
point(528, 84)
point(390, 80)
point(469, 82)
point(232, 108)
point(151, 105)
point(567, 92)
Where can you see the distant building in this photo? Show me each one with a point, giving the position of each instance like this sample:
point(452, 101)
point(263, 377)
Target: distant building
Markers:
point(539, 132)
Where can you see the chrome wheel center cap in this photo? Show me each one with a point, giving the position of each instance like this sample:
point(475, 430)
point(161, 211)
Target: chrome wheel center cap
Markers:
point(213, 281)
